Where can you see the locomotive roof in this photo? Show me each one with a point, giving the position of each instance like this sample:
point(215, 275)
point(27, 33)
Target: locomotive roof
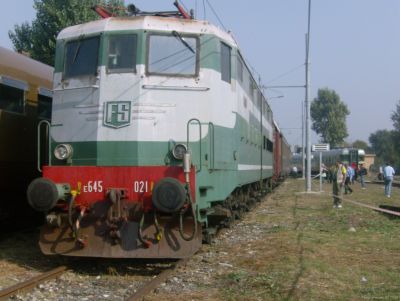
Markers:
point(21, 67)
point(146, 22)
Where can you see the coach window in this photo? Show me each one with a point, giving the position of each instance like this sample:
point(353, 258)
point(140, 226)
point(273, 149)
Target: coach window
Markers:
point(122, 53)
point(81, 57)
point(45, 98)
point(174, 55)
point(225, 63)
point(12, 95)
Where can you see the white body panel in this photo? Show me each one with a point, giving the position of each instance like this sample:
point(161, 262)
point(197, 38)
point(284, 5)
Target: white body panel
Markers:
point(161, 106)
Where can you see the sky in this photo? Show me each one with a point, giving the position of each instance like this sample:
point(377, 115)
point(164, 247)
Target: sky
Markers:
point(354, 50)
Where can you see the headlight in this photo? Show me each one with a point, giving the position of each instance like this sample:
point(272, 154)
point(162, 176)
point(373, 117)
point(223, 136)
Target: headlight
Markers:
point(178, 151)
point(63, 151)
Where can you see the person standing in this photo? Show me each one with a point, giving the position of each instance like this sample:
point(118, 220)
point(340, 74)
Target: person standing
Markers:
point(355, 172)
point(349, 176)
point(380, 173)
point(362, 172)
point(338, 179)
point(388, 173)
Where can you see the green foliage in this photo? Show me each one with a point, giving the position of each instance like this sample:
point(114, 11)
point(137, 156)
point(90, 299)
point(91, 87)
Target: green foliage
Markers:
point(361, 144)
point(396, 117)
point(39, 38)
point(384, 144)
point(328, 114)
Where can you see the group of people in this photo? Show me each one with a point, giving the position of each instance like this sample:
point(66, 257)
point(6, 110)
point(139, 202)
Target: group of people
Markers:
point(343, 175)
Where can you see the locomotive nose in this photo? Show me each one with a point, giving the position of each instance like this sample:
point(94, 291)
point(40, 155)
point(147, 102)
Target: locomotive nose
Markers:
point(43, 193)
point(169, 195)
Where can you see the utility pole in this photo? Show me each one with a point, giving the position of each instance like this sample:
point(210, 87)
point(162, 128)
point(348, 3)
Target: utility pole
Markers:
point(303, 157)
point(307, 102)
point(306, 133)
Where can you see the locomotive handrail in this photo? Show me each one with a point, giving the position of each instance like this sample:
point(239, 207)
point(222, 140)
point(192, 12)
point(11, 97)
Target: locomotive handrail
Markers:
point(39, 140)
point(187, 140)
point(212, 145)
point(175, 88)
point(76, 88)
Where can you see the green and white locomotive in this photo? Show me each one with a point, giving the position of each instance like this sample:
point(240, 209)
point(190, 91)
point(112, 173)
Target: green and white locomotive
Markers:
point(159, 135)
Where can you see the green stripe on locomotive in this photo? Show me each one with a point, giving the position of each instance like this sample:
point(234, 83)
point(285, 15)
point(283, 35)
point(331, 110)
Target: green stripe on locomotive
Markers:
point(218, 172)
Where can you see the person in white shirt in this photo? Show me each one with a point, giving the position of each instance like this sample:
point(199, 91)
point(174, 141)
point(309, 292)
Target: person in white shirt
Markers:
point(388, 173)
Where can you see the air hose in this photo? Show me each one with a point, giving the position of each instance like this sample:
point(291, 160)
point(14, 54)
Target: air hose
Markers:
point(182, 213)
point(75, 226)
point(146, 242)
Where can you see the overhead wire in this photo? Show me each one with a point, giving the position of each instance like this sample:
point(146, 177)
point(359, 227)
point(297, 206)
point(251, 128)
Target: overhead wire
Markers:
point(216, 15)
point(184, 6)
point(285, 73)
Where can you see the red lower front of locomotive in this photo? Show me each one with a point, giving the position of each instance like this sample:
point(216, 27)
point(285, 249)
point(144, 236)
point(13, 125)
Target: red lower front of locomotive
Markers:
point(117, 212)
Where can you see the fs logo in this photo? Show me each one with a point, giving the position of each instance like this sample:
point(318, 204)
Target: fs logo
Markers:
point(117, 114)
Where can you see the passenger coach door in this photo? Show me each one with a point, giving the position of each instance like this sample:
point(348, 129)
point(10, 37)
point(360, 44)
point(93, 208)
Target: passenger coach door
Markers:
point(353, 157)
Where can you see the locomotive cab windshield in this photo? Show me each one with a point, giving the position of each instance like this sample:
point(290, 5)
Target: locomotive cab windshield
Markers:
point(173, 54)
point(122, 53)
point(81, 57)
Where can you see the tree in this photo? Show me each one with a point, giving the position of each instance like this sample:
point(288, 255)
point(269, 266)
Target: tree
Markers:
point(39, 38)
point(396, 117)
point(328, 114)
point(361, 144)
point(383, 144)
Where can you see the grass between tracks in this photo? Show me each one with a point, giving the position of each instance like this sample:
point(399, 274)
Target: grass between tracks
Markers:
point(313, 252)
point(321, 253)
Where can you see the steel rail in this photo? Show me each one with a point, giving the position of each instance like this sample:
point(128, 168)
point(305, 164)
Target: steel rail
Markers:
point(394, 183)
point(31, 283)
point(366, 205)
point(372, 207)
point(152, 284)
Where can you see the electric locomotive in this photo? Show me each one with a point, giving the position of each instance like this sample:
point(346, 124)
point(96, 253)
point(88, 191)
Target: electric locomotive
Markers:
point(159, 135)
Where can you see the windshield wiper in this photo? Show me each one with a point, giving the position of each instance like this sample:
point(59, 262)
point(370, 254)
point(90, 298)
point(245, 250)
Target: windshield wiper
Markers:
point(76, 52)
point(78, 48)
point(177, 35)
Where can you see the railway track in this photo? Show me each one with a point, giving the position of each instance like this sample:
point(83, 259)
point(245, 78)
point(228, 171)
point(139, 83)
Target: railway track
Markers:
point(31, 283)
point(152, 284)
point(394, 183)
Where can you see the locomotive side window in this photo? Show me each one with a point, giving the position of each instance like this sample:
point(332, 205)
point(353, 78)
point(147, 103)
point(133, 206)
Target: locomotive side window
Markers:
point(259, 99)
point(12, 99)
point(122, 53)
point(174, 54)
point(81, 57)
point(239, 69)
point(246, 82)
point(225, 63)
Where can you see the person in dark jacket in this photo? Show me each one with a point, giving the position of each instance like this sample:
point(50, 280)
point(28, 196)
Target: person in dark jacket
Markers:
point(362, 173)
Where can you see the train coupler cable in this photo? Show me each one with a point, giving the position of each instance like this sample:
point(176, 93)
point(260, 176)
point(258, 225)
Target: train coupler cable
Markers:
point(147, 243)
point(182, 213)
